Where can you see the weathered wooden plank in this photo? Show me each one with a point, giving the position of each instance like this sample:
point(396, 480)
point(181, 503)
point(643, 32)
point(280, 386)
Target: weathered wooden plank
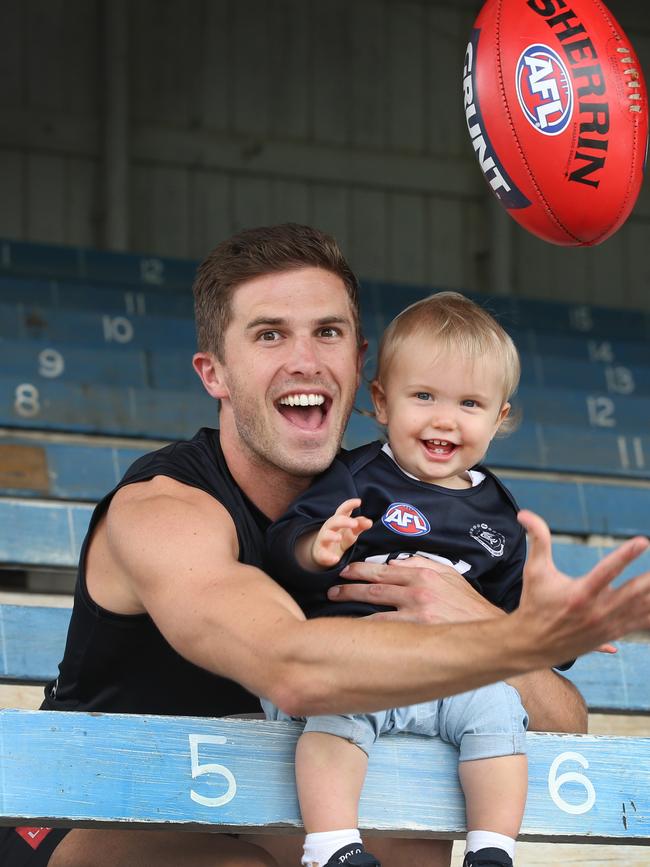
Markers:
point(32, 640)
point(104, 769)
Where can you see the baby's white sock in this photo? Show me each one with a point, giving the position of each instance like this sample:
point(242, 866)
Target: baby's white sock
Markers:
point(321, 846)
point(485, 839)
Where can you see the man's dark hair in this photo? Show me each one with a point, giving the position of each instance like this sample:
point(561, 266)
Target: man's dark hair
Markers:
point(253, 253)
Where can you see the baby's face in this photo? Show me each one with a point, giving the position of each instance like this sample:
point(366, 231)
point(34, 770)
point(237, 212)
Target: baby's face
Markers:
point(441, 411)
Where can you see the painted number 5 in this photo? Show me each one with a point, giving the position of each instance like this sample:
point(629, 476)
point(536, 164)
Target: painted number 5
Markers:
point(556, 782)
point(198, 770)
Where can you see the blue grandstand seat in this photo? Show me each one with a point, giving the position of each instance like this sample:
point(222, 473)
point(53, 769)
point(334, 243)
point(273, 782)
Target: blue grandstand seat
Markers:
point(97, 329)
point(82, 295)
point(38, 360)
point(54, 261)
point(114, 411)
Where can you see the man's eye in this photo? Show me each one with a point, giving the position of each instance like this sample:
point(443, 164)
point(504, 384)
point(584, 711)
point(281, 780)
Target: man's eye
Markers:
point(423, 395)
point(269, 336)
point(329, 331)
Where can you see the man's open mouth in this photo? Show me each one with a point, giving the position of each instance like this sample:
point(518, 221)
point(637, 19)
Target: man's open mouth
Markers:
point(305, 409)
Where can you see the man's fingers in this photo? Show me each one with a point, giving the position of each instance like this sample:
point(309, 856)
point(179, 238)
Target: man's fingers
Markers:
point(539, 537)
point(375, 594)
point(613, 564)
point(380, 573)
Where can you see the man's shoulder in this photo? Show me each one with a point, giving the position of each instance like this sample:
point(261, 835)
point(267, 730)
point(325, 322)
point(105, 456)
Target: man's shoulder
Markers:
point(357, 459)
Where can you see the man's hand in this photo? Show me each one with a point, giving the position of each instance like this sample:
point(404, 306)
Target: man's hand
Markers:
point(338, 534)
point(421, 591)
point(572, 615)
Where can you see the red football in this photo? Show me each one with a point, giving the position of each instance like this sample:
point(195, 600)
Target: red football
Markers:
point(557, 110)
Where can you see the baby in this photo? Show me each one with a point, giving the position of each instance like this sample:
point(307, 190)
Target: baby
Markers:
point(446, 372)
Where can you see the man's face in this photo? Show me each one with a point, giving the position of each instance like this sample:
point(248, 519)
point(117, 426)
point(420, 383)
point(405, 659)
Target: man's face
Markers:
point(291, 368)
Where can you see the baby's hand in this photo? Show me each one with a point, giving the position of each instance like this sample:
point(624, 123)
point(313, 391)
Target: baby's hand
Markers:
point(338, 534)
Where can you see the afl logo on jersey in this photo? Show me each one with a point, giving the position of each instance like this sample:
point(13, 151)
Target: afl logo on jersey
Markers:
point(544, 89)
point(405, 519)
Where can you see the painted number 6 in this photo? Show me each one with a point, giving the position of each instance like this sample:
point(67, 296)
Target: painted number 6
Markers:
point(210, 768)
point(555, 783)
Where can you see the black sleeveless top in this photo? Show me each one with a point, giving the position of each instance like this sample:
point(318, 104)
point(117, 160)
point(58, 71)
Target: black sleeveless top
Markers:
point(121, 663)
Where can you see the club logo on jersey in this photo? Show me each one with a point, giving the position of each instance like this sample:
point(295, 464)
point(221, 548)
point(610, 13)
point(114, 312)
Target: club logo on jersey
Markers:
point(544, 89)
point(405, 519)
point(493, 542)
point(33, 836)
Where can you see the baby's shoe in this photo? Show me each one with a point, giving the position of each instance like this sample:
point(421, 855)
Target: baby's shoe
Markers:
point(353, 856)
point(488, 858)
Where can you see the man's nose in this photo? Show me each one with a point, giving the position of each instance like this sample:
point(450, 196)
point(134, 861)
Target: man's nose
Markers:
point(304, 358)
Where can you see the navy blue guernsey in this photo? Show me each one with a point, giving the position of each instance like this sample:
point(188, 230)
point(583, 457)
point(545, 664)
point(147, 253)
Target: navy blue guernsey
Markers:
point(473, 529)
point(122, 663)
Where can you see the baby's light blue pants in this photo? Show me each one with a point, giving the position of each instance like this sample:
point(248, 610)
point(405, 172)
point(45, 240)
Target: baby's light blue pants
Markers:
point(483, 723)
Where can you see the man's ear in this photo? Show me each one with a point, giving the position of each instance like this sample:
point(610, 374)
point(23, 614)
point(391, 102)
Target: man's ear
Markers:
point(379, 400)
point(361, 357)
point(211, 373)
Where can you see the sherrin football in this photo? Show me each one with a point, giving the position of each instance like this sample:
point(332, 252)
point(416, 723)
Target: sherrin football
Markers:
point(557, 111)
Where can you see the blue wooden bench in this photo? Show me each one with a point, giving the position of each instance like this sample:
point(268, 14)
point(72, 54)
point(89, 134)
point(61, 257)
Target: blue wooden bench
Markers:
point(86, 470)
point(93, 770)
point(32, 639)
point(55, 531)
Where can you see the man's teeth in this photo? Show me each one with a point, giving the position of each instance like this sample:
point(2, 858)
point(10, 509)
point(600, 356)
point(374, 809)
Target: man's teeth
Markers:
point(303, 400)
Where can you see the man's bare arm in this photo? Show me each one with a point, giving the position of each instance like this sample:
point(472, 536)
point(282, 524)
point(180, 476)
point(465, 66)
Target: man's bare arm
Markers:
point(178, 550)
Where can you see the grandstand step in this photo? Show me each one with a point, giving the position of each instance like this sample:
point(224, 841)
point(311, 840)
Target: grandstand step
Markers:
point(42, 361)
point(97, 329)
point(49, 533)
point(121, 300)
point(57, 261)
point(147, 413)
point(86, 471)
point(541, 446)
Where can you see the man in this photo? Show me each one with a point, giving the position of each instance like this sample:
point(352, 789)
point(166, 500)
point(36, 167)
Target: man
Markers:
point(171, 592)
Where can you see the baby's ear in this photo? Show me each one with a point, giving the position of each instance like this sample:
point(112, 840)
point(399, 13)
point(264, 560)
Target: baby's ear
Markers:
point(379, 401)
point(504, 412)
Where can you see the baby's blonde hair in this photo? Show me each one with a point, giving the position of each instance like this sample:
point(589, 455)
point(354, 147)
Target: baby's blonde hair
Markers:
point(454, 323)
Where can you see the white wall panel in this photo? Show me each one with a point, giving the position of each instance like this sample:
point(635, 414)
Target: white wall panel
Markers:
point(290, 202)
point(291, 46)
point(45, 195)
point(330, 211)
point(406, 65)
point(367, 21)
point(213, 75)
point(407, 239)
point(81, 198)
point(250, 60)
point(12, 54)
point(160, 207)
point(210, 210)
point(447, 248)
point(251, 202)
point(12, 200)
point(368, 244)
point(330, 72)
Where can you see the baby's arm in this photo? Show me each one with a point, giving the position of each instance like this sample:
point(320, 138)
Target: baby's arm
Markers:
point(323, 548)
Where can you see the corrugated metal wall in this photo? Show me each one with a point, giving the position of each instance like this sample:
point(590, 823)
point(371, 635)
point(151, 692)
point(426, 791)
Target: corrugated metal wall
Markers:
point(342, 113)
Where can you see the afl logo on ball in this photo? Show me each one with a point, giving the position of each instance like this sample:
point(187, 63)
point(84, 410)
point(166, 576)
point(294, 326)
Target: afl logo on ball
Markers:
point(544, 89)
point(405, 519)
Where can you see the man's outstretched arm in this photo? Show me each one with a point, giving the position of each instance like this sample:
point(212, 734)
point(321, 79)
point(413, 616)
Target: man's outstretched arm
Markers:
point(177, 550)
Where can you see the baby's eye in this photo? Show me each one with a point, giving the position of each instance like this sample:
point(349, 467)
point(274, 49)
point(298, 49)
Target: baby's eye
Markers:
point(423, 395)
point(469, 403)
